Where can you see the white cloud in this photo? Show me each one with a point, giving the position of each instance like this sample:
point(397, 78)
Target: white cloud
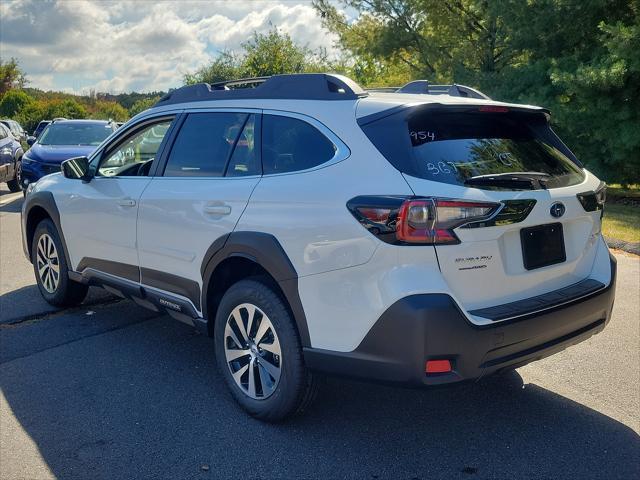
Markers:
point(139, 45)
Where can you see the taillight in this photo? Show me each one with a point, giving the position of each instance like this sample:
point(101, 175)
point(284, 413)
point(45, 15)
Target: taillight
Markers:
point(593, 201)
point(416, 220)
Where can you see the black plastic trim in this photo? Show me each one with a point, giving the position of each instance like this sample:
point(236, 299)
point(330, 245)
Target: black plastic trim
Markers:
point(46, 201)
point(540, 303)
point(144, 296)
point(171, 283)
point(122, 270)
point(265, 250)
point(300, 86)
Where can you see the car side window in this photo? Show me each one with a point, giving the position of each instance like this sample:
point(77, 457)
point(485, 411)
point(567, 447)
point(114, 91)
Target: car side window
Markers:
point(245, 159)
point(204, 143)
point(3, 132)
point(290, 144)
point(136, 153)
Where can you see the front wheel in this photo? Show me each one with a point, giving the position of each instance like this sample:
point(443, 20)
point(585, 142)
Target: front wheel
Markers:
point(259, 352)
point(52, 270)
point(15, 185)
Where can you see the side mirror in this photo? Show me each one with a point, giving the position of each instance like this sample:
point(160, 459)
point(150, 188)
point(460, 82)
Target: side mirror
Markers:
point(31, 140)
point(76, 168)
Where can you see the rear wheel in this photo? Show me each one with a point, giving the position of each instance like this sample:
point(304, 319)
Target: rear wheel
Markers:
point(52, 270)
point(259, 353)
point(14, 185)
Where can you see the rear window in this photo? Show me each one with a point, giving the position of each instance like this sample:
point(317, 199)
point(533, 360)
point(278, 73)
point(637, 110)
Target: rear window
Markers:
point(75, 134)
point(453, 146)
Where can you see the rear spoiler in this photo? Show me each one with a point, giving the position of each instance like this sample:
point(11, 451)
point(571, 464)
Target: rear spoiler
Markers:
point(460, 107)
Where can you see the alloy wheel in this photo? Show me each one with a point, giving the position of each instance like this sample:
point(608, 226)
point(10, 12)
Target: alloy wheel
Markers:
point(48, 263)
point(252, 351)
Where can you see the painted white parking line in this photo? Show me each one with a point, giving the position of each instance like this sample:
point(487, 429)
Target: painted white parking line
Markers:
point(9, 197)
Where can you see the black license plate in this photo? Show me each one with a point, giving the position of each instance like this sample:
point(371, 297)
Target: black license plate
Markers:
point(542, 245)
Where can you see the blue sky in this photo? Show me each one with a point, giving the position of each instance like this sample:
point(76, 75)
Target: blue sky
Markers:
point(144, 45)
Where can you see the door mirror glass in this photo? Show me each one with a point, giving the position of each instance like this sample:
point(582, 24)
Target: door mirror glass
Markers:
point(76, 168)
point(31, 140)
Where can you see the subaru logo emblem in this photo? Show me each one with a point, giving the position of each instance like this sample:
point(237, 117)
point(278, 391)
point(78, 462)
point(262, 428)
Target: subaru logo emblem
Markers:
point(557, 209)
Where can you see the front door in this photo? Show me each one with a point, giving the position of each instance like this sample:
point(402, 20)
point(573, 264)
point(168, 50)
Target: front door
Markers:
point(101, 215)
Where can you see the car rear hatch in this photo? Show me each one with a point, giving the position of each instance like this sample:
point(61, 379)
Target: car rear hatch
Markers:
point(513, 214)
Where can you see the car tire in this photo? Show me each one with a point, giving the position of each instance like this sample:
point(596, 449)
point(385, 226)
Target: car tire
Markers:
point(14, 185)
point(272, 398)
point(52, 269)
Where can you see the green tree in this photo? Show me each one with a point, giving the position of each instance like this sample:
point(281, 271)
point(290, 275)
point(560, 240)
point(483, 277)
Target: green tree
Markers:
point(266, 54)
point(226, 66)
point(273, 53)
point(13, 102)
point(11, 76)
point(68, 108)
point(142, 104)
point(30, 115)
point(105, 110)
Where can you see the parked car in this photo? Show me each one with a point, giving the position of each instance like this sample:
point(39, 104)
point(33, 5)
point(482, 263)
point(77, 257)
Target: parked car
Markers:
point(40, 128)
point(10, 159)
point(16, 129)
point(310, 226)
point(62, 139)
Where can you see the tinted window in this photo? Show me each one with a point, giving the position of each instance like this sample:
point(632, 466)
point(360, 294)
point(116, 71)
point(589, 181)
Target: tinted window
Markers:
point(204, 144)
point(136, 153)
point(289, 144)
point(245, 159)
point(75, 134)
point(451, 147)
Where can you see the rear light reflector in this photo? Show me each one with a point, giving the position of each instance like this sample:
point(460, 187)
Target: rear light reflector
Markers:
point(418, 220)
point(438, 366)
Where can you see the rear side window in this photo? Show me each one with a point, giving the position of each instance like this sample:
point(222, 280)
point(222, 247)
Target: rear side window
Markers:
point(204, 144)
point(290, 144)
point(245, 159)
point(451, 147)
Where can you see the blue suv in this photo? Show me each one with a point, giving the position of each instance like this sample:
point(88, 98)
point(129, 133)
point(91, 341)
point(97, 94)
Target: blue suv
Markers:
point(60, 141)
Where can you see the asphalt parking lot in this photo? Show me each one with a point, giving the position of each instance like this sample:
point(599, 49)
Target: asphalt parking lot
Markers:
point(110, 390)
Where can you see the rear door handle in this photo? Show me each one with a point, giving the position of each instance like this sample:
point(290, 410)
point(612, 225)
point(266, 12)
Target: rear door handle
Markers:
point(127, 202)
point(217, 209)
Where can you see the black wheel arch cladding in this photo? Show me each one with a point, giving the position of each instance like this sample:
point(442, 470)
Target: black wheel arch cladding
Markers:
point(46, 202)
point(265, 250)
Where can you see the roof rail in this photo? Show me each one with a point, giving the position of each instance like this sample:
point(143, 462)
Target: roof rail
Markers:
point(299, 86)
point(455, 90)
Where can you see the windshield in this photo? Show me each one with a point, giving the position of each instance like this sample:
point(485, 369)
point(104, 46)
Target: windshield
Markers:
point(451, 147)
point(75, 134)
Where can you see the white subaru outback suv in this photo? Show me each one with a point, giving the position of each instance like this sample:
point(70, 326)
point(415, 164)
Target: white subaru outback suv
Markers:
point(310, 226)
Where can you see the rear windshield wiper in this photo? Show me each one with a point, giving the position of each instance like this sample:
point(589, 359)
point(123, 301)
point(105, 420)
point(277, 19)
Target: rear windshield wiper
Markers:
point(516, 180)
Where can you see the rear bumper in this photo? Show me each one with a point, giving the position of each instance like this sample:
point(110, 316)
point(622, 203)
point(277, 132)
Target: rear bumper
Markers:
point(431, 326)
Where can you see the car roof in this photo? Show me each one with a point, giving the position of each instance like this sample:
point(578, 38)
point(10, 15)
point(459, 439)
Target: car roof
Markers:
point(325, 97)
